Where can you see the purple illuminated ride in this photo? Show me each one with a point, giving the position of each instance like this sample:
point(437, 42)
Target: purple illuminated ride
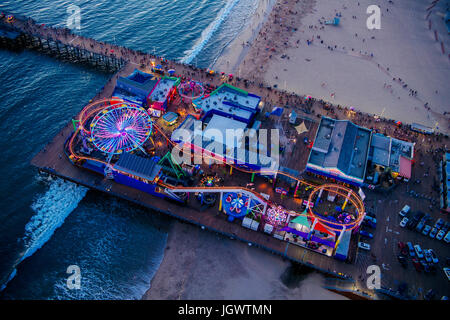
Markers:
point(120, 128)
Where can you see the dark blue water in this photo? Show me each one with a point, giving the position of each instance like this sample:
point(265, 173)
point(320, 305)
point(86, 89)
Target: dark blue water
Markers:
point(47, 224)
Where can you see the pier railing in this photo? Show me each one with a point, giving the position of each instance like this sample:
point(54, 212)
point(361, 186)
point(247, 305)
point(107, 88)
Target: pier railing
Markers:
point(16, 39)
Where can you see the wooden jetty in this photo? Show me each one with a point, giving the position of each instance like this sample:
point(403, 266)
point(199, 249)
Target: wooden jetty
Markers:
point(14, 38)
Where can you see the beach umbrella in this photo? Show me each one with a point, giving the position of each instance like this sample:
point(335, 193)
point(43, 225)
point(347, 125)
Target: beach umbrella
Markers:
point(171, 71)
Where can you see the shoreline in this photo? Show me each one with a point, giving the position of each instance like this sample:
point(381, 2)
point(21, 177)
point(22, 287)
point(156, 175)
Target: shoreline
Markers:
point(236, 51)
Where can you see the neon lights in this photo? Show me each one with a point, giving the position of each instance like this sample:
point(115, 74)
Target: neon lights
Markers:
point(120, 128)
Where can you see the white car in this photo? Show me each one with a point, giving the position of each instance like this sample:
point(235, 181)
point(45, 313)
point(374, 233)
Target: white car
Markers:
point(447, 237)
point(364, 246)
point(440, 234)
point(404, 222)
point(404, 211)
point(419, 251)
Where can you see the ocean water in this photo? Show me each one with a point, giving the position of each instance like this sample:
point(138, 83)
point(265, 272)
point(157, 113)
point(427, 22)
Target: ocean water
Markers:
point(47, 224)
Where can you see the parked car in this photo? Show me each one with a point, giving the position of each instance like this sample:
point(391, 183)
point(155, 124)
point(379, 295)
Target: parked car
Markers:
point(369, 212)
point(433, 232)
point(369, 224)
point(404, 222)
point(366, 234)
point(412, 253)
point(434, 258)
point(420, 225)
point(446, 226)
point(401, 245)
point(439, 223)
point(422, 222)
point(369, 218)
point(447, 237)
point(418, 251)
point(364, 246)
point(411, 224)
point(419, 215)
point(440, 234)
point(426, 230)
point(417, 265)
point(428, 257)
point(404, 211)
point(403, 248)
point(402, 260)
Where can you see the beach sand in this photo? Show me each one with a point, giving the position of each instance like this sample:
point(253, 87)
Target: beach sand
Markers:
point(199, 264)
point(404, 48)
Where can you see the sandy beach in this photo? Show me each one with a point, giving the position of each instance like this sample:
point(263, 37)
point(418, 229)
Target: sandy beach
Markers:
point(199, 264)
point(397, 72)
point(237, 50)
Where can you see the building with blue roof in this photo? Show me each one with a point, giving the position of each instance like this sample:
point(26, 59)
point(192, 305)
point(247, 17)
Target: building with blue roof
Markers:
point(136, 87)
point(340, 151)
point(229, 101)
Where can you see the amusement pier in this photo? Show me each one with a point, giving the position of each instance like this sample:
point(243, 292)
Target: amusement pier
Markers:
point(336, 178)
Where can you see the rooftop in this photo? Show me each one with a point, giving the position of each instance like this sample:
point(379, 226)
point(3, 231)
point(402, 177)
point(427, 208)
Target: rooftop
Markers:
point(219, 124)
point(229, 100)
point(162, 89)
point(142, 81)
point(387, 151)
point(142, 167)
point(202, 139)
point(341, 144)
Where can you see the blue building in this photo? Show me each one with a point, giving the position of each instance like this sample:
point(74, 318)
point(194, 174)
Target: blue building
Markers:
point(136, 87)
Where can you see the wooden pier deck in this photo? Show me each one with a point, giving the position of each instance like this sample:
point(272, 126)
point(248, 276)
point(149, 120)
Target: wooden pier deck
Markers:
point(53, 160)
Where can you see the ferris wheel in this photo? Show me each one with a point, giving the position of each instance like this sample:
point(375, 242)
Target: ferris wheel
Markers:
point(120, 128)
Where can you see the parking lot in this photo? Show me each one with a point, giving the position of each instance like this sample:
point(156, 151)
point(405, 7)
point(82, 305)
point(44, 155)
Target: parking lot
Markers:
point(388, 233)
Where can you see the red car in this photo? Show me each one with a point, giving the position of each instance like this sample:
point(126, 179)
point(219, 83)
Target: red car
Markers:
point(403, 248)
point(417, 265)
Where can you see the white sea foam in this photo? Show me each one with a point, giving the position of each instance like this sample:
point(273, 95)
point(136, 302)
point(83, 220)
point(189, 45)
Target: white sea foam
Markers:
point(51, 209)
point(209, 32)
point(11, 276)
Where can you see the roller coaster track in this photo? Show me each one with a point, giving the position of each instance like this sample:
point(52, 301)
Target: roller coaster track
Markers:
point(345, 192)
